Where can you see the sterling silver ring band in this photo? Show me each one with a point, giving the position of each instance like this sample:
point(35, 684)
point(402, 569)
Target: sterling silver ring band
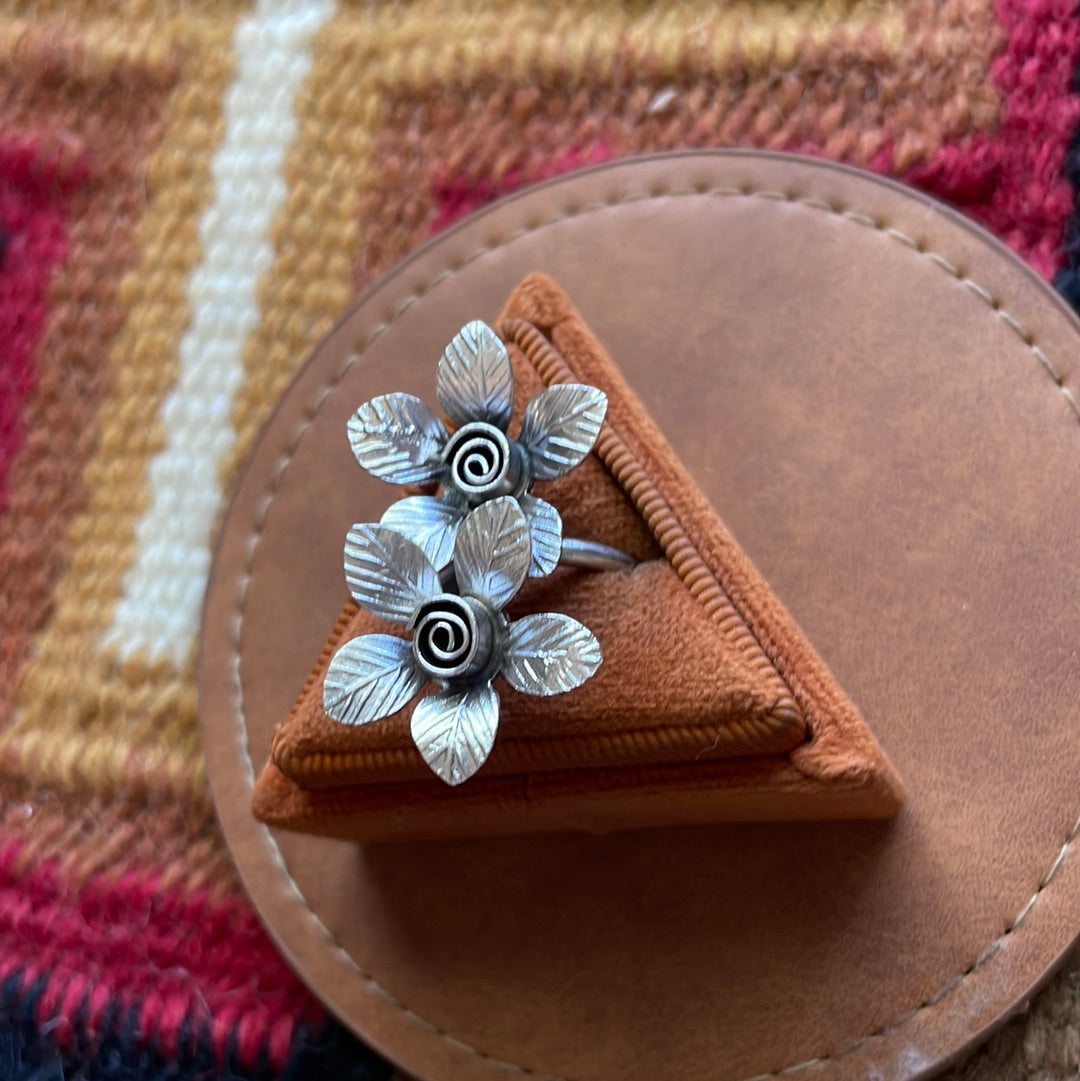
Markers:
point(445, 564)
point(585, 554)
point(593, 556)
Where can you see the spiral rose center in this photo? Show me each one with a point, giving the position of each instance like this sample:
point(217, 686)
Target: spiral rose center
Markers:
point(452, 637)
point(482, 463)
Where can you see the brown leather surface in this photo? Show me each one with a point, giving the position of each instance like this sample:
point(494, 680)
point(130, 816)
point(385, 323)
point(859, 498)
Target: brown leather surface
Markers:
point(879, 398)
point(701, 664)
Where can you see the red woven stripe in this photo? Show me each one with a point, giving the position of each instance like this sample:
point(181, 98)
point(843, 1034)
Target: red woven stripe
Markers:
point(33, 184)
point(183, 960)
point(1012, 180)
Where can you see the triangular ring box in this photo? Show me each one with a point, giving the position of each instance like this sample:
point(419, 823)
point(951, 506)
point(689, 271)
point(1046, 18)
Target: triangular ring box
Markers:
point(877, 399)
point(710, 704)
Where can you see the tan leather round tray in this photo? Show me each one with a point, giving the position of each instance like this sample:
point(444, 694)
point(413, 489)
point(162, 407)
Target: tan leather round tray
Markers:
point(876, 397)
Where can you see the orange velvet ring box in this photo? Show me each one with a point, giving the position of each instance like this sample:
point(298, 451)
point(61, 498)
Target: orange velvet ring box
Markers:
point(710, 705)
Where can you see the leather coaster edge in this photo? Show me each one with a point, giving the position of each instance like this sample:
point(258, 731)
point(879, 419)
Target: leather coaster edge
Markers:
point(1060, 871)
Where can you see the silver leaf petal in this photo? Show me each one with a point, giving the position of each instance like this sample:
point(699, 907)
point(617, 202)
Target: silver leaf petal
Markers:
point(493, 553)
point(545, 534)
point(369, 678)
point(455, 731)
point(549, 654)
point(429, 522)
point(387, 574)
point(397, 438)
point(560, 427)
point(475, 380)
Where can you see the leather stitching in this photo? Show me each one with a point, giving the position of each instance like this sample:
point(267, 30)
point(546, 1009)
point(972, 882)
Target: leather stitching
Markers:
point(616, 199)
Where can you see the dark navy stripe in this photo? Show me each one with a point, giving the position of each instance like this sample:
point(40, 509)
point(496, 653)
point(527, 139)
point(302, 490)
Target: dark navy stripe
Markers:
point(115, 1053)
point(1067, 280)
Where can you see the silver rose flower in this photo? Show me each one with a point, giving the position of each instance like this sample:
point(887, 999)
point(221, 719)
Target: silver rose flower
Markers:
point(397, 438)
point(461, 640)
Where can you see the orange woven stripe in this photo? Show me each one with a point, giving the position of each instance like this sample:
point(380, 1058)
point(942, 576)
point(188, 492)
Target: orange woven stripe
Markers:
point(88, 836)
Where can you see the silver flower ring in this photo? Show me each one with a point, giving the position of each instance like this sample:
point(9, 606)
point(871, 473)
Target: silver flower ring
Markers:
point(397, 438)
point(461, 639)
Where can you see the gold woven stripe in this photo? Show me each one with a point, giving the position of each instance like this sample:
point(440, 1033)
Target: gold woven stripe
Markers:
point(438, 43)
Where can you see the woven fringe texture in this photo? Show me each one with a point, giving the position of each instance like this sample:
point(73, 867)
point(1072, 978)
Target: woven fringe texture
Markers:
point(191, 192)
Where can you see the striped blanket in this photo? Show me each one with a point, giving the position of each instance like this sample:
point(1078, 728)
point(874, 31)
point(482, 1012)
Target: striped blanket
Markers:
point(191, 192)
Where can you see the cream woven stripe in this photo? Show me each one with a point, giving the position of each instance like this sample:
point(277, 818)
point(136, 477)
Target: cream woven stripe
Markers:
point(162, 590)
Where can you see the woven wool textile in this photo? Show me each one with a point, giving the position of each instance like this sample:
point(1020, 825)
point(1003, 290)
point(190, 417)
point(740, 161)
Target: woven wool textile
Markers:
point(190, 193)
